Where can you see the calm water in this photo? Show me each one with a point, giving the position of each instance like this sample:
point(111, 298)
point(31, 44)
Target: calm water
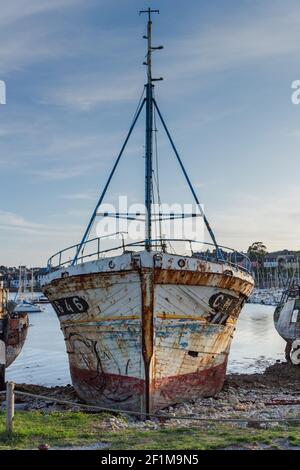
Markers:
point(44, 360)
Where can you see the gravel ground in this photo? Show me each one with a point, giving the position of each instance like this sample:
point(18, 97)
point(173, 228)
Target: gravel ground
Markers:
point(274, 394)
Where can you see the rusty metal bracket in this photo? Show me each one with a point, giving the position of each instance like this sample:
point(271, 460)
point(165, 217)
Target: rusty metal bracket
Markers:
point(136, 261)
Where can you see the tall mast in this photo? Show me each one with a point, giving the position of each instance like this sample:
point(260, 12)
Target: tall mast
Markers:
point(149, 131)
point(151, 105)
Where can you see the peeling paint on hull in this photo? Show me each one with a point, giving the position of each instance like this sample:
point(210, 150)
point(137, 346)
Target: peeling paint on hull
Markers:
point(287, 326)
point(148, 333)
point(190, 386)
point(17, 328)
point(123, 392)
point(109, 390)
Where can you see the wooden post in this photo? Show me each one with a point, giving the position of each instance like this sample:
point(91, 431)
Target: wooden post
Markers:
point(10, 406)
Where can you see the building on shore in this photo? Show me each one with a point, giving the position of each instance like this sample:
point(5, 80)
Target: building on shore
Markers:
point(277, 269)
point(11, 277)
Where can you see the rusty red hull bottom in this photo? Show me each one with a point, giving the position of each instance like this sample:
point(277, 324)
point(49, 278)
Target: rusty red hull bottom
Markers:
point(188, 386)
point(129, 393)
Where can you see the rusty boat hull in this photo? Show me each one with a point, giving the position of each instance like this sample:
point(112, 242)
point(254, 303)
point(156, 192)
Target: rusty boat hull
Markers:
point(147, 330)
point(287, 322)
point(16, 333)
point(15, 327)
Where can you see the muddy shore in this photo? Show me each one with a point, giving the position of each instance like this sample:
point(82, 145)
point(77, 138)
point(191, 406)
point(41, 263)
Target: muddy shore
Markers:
point(274, 394)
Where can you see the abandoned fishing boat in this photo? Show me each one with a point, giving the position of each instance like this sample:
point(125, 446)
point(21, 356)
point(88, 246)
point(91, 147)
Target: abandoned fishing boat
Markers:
point(40, 300)
point(146, 327)
point(13, 332)
point(287, 321)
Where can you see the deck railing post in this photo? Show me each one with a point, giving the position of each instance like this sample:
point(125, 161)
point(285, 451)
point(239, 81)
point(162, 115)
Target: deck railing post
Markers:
point(10, 407)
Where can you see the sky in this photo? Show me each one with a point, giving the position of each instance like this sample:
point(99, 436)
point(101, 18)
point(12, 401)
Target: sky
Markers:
point(73, 73)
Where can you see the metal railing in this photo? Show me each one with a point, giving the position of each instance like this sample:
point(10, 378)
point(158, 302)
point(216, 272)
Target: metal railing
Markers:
point(223, 255)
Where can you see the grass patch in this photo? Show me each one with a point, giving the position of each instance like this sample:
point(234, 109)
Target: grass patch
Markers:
point(60, 429)
point(204, 438)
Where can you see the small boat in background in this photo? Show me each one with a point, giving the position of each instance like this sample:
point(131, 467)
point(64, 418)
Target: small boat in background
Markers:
point(287, 322)
point(42, 299)
point(22, 302)
point(28, 307)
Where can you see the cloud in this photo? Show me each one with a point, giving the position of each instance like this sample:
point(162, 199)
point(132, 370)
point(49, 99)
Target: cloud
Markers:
point(260, 218)
point(84, 93)
point(61, 173)
point(20, 226)
point(24, 241)
point(269, 31)
point(24, 43)
point(83, 196)
point(80, 145)
point(16, 10)
point(51, 146)
point(17, 223)
point(70, 155)
point(24, 48)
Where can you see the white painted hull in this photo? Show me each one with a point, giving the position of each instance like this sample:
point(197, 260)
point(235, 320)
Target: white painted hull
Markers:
point(148, 334)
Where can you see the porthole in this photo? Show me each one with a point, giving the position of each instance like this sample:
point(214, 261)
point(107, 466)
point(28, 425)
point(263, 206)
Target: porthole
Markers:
point(228, 272)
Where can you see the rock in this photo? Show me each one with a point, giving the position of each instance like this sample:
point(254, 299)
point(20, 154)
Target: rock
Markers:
point(242, 424)
point(273, 424)
point(233, 400)
point(257, 425)
point(240, 407)
point(18, 406)
point(44, 447)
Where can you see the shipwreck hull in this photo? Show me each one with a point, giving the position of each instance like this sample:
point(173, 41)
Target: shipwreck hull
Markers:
point(287, 320)
point(16, 333)
point(145, 334)
point(15, 327)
